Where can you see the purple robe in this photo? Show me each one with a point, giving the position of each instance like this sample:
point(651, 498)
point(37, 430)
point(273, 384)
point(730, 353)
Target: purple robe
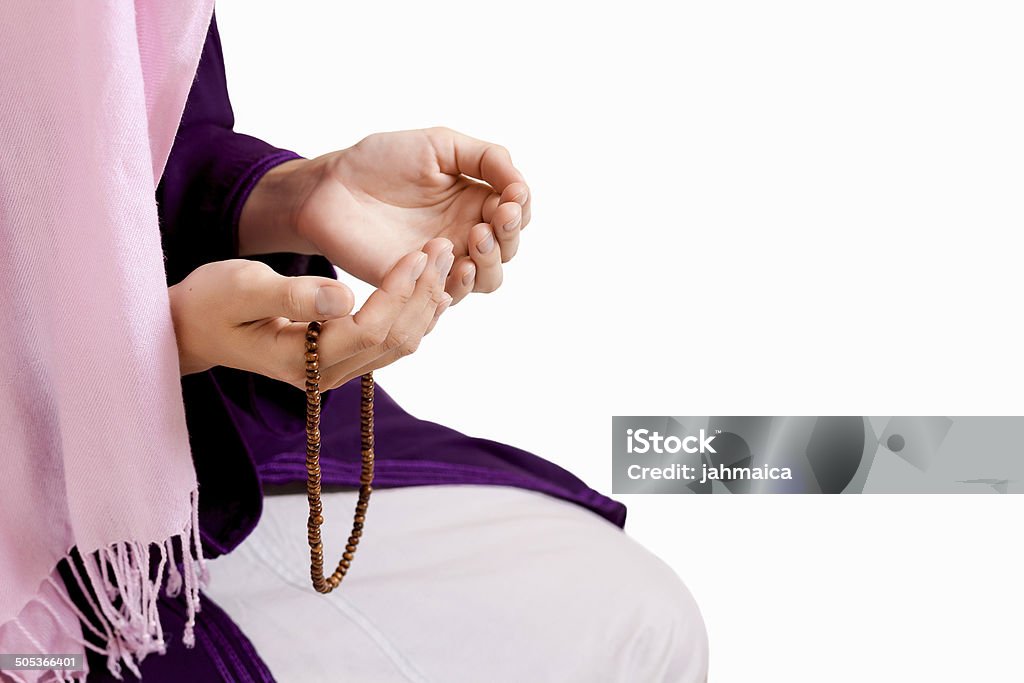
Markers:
point(247, 430)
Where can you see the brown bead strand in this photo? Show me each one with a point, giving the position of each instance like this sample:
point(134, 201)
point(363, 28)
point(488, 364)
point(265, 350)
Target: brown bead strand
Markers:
point(316, 512)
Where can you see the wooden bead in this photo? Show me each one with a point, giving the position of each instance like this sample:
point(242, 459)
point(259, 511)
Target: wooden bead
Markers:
point(311, 358)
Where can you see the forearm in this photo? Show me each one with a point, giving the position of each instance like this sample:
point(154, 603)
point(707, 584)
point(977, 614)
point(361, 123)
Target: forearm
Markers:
point(268, 218)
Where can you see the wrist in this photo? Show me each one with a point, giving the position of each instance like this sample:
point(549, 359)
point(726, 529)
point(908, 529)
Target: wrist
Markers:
point(268, 222)
point(189, 360)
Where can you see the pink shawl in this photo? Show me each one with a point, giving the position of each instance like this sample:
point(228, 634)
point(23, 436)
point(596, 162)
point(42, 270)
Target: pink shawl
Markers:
point(93, 444)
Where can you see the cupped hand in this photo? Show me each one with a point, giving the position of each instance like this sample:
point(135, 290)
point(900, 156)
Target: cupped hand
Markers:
point(366, 206)
point(242, 314)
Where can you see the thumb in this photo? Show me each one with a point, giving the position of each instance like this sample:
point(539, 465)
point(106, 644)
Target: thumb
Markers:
point(301, 299)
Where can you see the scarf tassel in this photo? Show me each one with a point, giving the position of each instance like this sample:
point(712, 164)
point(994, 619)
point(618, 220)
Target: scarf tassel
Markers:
point(121, 592)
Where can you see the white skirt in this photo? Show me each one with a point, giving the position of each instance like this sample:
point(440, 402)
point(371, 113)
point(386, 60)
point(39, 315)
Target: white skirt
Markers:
point(461, 584)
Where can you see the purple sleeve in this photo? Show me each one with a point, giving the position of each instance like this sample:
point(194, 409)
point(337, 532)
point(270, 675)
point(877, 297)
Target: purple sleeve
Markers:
point(210, 172)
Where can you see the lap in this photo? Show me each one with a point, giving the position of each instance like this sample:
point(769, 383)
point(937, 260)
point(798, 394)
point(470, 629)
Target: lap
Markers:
point(461, 583)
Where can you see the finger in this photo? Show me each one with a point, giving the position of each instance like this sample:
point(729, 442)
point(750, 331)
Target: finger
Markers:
point(461, 279)
point(520, 194)
point(388, 330)
point(483, 249)
point(263, 293)
point(402, 339)
point(506, 221)
point(394, 354)
point(416, 319)
point(516, 192)
point(339, 339)
point(410, 294)
point(489, 205)
point(411, 324)
point(486, 161)
point(437, 314)
point(343, 338)
point(438, 262)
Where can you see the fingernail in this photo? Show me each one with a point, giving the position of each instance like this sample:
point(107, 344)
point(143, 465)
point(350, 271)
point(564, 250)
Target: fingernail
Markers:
point(418, 265)
point(521, 198)
point(331, 301)
point(443, 265)
point(512, 224)
point(486, 244)
point(468, 277)
point(444, 262)
point(443, 306)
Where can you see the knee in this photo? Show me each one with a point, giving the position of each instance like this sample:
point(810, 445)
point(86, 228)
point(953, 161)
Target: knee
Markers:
point(659, 624)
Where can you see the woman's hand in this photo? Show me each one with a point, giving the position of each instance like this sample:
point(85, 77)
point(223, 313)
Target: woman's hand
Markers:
point(365, 206)
point(241, 314)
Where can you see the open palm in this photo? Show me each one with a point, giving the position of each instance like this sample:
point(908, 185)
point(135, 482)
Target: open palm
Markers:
point(369, 205)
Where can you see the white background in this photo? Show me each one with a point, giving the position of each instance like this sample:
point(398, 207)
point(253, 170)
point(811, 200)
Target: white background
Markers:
point(740, 208)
